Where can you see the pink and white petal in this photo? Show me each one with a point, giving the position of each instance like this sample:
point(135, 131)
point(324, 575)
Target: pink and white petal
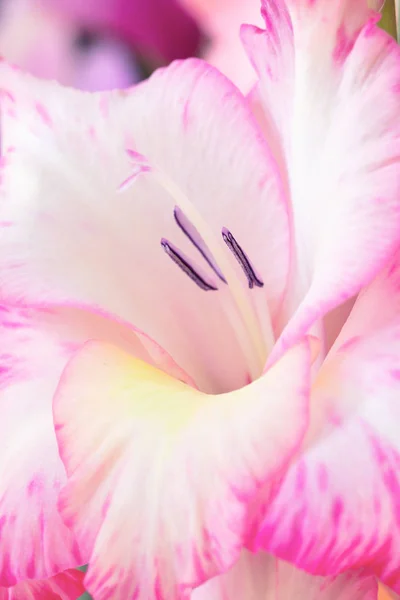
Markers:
point(68, 235)
point(349, 464)
point(64, 586)
point(323, 68)
point(264, 577)
point(163, 480)
point(37, 344)
point(34, 540)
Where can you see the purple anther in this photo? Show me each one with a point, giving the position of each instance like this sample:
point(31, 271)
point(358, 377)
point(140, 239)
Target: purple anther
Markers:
point(191, 232)
point(241, 258)
point(186, 267)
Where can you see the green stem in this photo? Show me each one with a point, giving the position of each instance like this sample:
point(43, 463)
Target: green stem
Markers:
point(388, 20)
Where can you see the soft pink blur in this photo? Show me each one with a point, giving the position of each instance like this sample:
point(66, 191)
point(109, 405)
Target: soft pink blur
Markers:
point(161, 29)
point(45, 38)
point(220, 20)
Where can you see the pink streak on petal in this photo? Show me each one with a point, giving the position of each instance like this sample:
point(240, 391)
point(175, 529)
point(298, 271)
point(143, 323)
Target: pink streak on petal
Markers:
point(67, 585)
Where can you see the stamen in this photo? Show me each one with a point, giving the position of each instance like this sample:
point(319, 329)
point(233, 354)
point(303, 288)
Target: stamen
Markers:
point(191, 232)
point(186, 267)
point(241, 258)
point(246, 328)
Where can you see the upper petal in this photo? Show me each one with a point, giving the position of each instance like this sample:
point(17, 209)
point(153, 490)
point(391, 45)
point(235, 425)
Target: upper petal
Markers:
point(64, 586)
point(68, 234)
point(350, 461)
point(264, 577)
point(324, 68)
point(164, 480)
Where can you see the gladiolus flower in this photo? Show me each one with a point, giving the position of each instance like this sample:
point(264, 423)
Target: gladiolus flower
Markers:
point(166, 265)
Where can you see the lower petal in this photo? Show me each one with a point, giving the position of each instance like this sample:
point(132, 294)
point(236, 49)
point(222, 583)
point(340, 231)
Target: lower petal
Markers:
point(35, 543)
point(163, 479)
point(264, 577)
point(350, 461)
point(37, 343)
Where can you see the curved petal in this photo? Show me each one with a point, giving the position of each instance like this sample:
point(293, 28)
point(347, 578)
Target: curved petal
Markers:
point(264, 577)
point(162, 479)
point(351, 457)
point(35, 543)
point(64, 586)
point(36, 344)
point(68, 235)
point(324, 67)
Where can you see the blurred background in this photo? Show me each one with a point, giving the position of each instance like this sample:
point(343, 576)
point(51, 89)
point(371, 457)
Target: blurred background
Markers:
point(103, 44)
